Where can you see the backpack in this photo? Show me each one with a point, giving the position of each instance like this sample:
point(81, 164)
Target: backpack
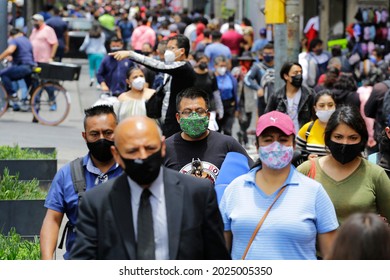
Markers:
point(386, 104)
point(80, 185)
point(267, 81)
point(321, 68)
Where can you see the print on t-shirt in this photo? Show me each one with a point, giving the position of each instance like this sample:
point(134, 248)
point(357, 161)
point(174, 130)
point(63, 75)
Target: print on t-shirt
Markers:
point(201, 169)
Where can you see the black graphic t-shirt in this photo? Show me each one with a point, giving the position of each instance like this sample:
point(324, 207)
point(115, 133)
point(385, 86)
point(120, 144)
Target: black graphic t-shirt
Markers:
point(201, 158)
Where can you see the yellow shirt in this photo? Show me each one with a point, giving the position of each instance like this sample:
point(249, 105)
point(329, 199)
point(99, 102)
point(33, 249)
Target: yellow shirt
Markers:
point(315, 142)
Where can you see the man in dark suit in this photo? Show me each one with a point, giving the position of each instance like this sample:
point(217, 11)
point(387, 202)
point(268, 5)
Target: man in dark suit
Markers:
point(149, 212)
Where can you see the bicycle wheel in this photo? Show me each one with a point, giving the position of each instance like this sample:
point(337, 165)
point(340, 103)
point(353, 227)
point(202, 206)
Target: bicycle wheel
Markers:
point(3, 100)
point(50, 103)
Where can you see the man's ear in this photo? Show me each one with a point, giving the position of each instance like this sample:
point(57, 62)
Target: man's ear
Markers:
point(163, 146)
point(84, 136)
point(387, 130)
point(116, 155)
point(178, 117)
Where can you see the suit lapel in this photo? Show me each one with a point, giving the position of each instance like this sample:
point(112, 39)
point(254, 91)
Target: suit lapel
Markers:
point(174, 203)
point(121, 205)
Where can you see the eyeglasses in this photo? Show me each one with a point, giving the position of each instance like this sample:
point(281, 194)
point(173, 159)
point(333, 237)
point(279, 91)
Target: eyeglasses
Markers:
point(200, 111)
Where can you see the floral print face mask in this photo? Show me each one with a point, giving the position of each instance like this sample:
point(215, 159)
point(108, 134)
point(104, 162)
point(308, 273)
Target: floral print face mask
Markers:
point(276, 155)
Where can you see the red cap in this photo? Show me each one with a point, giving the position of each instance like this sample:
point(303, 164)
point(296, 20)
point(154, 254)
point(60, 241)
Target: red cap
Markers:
point(275, 119)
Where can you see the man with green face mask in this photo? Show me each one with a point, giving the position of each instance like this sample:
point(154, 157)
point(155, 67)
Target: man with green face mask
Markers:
point(196, 150)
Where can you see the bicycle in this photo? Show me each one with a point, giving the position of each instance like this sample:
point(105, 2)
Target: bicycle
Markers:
point(49, 100)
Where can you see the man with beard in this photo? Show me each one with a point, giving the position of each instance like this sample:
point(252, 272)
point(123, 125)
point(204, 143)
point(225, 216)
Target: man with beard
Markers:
point(150, 212)
point(97, 166)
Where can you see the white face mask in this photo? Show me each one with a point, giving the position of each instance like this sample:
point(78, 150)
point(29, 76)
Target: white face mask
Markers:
point(324, 115)
point(138, 83)
point(169, 56)
point(221, 70)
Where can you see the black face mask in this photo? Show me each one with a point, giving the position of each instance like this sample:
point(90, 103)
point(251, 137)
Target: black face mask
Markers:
point(202, 65)
point(36, 26)
point(100, 149)
point(344, 153)
point(143, 171)
point(297, 81)
point(268, 58)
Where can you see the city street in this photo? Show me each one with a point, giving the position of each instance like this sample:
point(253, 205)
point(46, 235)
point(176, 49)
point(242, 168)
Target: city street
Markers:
point(18, 128)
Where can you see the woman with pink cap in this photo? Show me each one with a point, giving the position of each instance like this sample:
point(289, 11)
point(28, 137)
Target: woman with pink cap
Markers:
point(273, 211)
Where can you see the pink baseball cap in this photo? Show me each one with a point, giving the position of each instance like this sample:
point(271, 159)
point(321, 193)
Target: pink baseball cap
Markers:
point(275, 119)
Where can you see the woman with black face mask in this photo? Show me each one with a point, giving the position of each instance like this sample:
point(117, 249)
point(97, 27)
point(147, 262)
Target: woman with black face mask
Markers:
point(352, 182)
point(293, 99)
point(206, 81)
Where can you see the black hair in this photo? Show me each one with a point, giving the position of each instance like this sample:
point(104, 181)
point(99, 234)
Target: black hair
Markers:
point(182, 42)
point(268, 46)
point(192, 93)
point(379, 52)
point(336, 51)
point(350, 116)
point(314, 43)
point(216, 35)
point(14, 31)
point(116, 39)
point(363, 236)
point(345, 82)
point(231, 25)
point(286, 68)
point(97, 111)
point(198, 55)
point(206, 33)
point(247, 21)
point(317, 97)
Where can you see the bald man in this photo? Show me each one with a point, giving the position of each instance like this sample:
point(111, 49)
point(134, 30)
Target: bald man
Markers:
point(180, 212)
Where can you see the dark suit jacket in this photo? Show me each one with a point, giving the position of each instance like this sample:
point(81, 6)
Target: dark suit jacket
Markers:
point(195, 229)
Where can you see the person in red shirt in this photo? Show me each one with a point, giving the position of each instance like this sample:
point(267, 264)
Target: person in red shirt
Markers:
point(233, 40)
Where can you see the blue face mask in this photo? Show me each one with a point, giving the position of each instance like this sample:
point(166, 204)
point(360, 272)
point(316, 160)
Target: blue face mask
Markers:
point(373, 59)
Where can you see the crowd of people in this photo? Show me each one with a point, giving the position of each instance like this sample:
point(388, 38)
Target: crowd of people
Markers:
point(323, 163)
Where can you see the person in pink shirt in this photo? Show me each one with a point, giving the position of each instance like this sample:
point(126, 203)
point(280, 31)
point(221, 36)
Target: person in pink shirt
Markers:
point(233, 40)
point(141, 35)
point(43, 39)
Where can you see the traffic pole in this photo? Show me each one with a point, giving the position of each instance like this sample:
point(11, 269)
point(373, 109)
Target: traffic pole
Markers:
point(4, 23)
point(274, 14)
point(293, 32)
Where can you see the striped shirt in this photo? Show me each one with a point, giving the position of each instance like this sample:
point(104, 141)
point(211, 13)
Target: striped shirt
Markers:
point(315, 142)
point(290, 230)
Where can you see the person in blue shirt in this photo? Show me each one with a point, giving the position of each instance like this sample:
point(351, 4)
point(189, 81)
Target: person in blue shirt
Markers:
point(216, 48)
point(126, 29)
point(260, 43)
point(20, 48)
point(111, 74)
point(98, 166)
point(300, 212)
point(227, 86)
point(61, 29)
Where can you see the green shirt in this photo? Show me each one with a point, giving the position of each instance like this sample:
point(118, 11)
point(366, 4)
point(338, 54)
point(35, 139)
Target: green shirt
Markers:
point(366, 189)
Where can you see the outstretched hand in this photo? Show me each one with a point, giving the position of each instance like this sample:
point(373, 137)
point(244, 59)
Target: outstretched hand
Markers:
point(120, 55)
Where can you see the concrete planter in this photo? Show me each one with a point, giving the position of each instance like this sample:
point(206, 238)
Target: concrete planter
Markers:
point(43, 170)
point(26, 216)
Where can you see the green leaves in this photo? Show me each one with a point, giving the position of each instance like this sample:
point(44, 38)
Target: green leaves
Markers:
point(13, 247)
point(8, 152)
point(11, 188)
